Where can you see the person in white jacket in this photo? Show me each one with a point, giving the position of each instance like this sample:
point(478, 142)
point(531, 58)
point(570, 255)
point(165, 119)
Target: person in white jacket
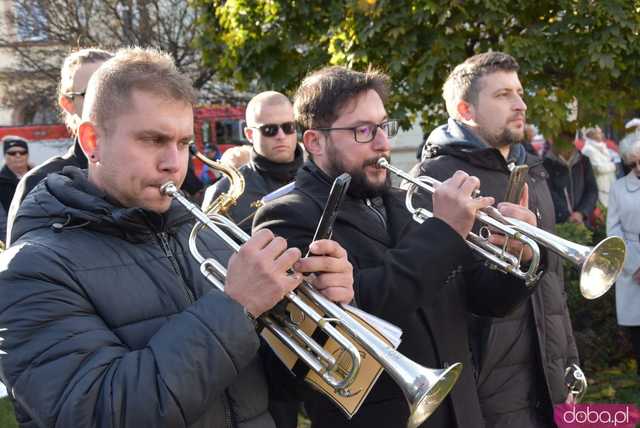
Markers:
point(600, 156)
point(623, 220)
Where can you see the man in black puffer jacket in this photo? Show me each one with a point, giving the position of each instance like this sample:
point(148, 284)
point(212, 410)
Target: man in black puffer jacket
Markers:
point(275, 156)
point(521, 359)
point(109, 322)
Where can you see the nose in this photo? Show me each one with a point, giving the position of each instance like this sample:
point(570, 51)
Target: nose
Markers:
point(280, 134)
point(520, 105)
point(381, 142)
point(171, 158)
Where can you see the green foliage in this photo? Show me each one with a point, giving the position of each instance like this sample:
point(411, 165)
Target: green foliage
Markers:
point(617, 384)
point(569, 48)
point(7, 418)
point(600, 341)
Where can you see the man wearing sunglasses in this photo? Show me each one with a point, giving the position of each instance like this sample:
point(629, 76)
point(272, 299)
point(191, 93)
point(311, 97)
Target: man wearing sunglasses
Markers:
point(275, 157)
point(16, 164)
point(420, 277)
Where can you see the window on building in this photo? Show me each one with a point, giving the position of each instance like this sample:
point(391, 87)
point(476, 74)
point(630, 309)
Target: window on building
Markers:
point(30, 20)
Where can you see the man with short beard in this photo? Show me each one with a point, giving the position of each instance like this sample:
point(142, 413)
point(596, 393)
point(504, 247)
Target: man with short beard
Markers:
point(415, 276)
point(520, 359)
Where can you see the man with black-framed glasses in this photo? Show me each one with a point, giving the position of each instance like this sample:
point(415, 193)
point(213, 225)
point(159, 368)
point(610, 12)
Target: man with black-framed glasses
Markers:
point(275, 156)
point(420, 277)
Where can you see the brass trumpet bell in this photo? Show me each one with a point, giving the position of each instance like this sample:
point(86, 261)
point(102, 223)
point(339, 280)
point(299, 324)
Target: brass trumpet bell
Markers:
point(425, 392)
point(601, 267)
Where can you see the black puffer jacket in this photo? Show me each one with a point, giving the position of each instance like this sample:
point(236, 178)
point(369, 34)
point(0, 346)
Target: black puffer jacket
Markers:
point(8, 184)
point(110, 323)
point(509, 351)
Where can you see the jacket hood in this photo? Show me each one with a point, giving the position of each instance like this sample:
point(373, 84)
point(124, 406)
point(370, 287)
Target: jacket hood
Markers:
point(456, 139)
point(574, 159)
point(67, 200)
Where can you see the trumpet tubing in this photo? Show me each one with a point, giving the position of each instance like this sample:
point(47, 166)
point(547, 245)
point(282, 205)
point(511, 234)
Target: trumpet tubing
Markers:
point(599, 265)
point(424, 388)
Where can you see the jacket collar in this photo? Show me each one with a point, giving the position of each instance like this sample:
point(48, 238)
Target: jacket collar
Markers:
point(632, 182)
point(458, 140)
point(68, 200)
point(315, 184)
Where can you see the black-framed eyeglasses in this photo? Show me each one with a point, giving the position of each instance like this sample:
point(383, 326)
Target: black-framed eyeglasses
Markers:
point(75, 94)
point(271, 129)
point(365, 133)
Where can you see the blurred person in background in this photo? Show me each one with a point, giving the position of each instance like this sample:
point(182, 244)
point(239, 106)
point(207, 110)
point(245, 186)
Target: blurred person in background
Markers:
point(76, 70)
point(571, 180)
point(16, 165)
point(602, 161)
point(237, 156)
point(623, 220)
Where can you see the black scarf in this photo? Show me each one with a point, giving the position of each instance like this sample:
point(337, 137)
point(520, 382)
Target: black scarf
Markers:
point(281, 172)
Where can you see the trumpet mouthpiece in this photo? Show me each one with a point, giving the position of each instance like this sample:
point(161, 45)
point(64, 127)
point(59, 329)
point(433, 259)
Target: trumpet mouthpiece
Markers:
point(168, 188)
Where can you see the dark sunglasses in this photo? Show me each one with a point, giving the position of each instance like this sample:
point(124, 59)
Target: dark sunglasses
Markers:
point(17, 152)
point(271, 129)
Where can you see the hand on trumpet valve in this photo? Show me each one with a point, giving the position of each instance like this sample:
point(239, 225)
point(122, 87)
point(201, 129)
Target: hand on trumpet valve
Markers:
point(518, 211)
point(258, 275)
point(331, 272)
point(453, 202)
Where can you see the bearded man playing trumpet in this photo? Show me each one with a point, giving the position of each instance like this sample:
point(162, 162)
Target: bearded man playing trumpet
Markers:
point(420, 277)
point(107, 320)
point(522, 359)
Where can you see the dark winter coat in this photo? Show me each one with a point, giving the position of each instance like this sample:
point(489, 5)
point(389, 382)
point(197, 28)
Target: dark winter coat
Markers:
point(571, 183)
point(408, 274)
point(110, 323)
point(8, 184)
point(512, 353)
point(261, 177)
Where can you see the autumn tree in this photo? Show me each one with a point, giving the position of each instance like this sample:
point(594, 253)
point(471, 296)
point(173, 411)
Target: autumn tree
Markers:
point(45, 31)
point(585, 50)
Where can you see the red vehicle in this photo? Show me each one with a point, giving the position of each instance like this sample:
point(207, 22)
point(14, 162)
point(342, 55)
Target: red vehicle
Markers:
point(216, 129)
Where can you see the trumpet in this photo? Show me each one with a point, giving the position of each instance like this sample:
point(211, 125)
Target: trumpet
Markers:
point(357, 342)
point(599, 265)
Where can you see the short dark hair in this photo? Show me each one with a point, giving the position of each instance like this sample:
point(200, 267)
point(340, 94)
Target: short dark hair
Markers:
point(144, 69)
point(324, 92)
point(463, 82)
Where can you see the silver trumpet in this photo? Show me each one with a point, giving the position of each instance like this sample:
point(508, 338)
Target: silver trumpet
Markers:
point(424, 388)
point(599, 265)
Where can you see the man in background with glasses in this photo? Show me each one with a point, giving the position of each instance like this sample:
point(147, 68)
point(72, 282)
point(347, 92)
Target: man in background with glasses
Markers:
point(420, 277)
point(275, 158)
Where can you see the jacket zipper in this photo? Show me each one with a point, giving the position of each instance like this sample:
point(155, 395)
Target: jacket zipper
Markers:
point(164, 243)
point(228, 421)
point(371, 207)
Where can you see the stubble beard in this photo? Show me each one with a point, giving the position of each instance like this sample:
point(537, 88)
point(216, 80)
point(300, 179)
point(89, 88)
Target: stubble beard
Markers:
point(505, 138)
point(361, 187)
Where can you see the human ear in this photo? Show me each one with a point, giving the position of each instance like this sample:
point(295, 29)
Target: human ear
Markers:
point(248, 133)
point(466, 111)
point(66, 104)
point(88, 138)
point(311, 142)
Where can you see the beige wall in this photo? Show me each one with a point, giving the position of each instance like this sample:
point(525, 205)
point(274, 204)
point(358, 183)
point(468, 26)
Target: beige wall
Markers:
point(6, 58)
